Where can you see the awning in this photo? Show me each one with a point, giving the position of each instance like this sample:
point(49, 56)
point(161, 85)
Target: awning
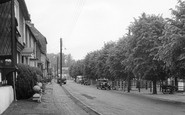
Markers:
point(27, 52)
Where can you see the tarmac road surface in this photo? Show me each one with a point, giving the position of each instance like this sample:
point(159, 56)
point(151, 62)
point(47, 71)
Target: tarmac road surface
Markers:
point(108, 102)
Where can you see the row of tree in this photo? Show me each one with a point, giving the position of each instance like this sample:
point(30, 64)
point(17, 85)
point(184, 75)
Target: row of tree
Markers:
point(67, 60)
point(153, 49)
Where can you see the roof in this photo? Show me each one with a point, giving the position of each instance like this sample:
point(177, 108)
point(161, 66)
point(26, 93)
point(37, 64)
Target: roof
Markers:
point(31, 28)
point(24, 9)
point(39, 37)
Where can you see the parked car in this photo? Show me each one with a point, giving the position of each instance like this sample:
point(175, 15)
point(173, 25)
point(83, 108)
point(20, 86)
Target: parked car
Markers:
point(58, 80)
point(169, 89)
point(64, 81)
point(86, 82)
point(103, 84)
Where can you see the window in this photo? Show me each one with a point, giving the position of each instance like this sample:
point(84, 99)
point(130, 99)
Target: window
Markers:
point(22, 59)
point(18, 57)
point(16, 8)
point(24, 31)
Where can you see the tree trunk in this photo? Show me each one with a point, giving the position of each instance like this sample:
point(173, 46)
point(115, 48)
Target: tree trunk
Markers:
point(128, 88)
point(139, 86)
point(150, 86)
point(161, 84)
point(154, 86)
point(176, 81)
point(146, 85)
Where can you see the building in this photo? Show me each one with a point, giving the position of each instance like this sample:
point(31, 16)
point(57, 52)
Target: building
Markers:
point(39, 58)
point(30, 46)
point(20, 42)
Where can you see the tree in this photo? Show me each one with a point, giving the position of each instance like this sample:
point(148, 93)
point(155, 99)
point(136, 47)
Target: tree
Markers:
point(102, 61)
point(69, 60)
point(90, 61)
point(76, 69)
point(172, 52)
point(115, 57)
point(143, 43)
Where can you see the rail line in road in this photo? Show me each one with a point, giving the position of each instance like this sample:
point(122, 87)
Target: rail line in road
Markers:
point(81, 104)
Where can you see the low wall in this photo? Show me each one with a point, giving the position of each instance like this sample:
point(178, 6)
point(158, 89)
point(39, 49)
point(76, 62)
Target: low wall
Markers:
point(6, 97)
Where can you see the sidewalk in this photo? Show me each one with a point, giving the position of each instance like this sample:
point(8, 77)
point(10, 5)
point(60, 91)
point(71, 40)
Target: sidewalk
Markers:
point(30, 107)
point(54, 102)
point(178, 97)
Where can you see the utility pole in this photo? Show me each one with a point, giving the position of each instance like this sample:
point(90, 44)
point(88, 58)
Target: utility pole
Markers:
point(61, 60)
point(13, 47)
point(57, 68)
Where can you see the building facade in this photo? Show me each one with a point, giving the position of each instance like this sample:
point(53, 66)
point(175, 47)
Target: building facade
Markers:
point(31, 45)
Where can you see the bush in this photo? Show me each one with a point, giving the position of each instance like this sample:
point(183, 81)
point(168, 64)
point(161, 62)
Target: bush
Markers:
point(26, 79)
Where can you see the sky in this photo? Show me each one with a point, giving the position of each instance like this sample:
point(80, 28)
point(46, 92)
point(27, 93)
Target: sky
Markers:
point(85, 25)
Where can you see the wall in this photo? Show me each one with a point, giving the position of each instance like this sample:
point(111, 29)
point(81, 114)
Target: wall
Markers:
point(6, 97)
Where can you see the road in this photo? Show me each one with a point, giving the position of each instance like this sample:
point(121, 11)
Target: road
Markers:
point(111, 103)
point(76, 99)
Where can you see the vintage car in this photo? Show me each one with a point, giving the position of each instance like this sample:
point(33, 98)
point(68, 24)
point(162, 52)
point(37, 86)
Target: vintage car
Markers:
point(87, 82)
point(103, 84)
point(62, 80)
point(168, 89)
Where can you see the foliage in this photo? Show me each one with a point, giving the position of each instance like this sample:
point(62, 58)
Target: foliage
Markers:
point(76, 69)
point(67, 60)
point(26, 79)
point(90, 62)
point(115, 57)
point(172, 52)
point(143, 46)
point(102, 65)
point(146, 32)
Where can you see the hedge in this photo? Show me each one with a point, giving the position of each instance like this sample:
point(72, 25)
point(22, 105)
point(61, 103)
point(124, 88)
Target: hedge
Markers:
point(26, 79)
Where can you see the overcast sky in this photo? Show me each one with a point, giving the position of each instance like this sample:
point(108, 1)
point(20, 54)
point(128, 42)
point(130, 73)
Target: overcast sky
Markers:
point(85, 25)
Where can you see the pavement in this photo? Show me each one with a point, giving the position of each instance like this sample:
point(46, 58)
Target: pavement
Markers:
point(55, 103)
point(177, 97)
point(30, 107)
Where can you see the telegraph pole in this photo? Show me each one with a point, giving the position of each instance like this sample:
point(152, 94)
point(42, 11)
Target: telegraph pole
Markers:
point(13, 47)
point(61, 60)
point(57, 68)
